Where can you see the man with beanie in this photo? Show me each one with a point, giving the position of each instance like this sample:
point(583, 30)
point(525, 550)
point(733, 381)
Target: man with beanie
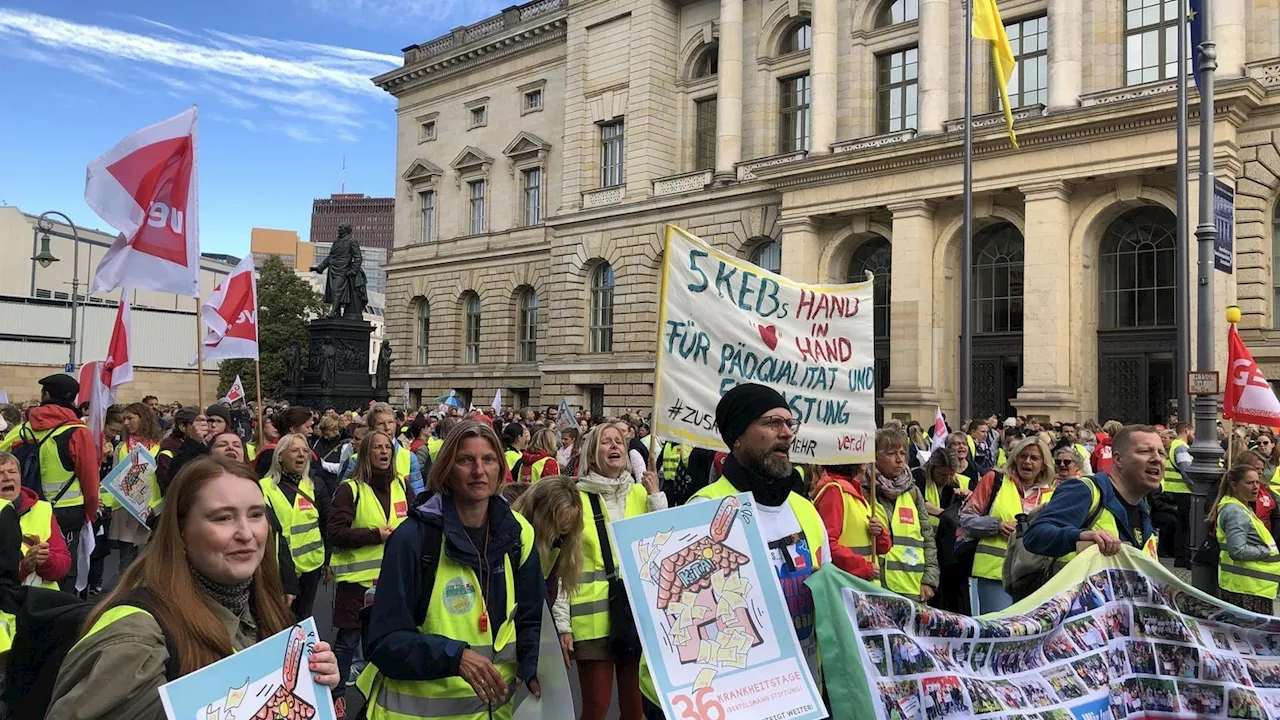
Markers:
point(68, 461)
point(757, 426)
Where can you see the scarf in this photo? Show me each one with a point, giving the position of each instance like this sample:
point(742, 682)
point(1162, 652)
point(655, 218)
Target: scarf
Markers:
point(294, 480)
point(381, 479)
point(232, 597)
point(890, 488)
point(766, 491)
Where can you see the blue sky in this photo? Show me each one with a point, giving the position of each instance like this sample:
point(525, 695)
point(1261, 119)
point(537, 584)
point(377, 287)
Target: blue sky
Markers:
point(282, 85)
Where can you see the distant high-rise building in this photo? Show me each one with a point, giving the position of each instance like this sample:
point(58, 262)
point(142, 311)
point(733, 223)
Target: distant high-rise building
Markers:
point(285, 244)
point(372, 219)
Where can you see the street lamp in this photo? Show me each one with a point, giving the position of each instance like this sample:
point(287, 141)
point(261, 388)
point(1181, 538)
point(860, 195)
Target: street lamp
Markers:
point(44, 226)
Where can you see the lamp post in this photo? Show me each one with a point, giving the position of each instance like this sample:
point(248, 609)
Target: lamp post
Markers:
point(43, 228)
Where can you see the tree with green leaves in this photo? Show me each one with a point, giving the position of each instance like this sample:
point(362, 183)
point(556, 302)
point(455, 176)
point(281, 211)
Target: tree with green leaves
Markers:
point(285, 303)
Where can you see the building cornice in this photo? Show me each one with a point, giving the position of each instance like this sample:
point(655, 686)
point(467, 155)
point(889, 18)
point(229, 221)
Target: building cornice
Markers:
point(516, 30)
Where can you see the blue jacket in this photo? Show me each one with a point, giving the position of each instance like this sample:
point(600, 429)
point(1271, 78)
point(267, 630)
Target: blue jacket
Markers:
point(1056, 530)
point(396, 646)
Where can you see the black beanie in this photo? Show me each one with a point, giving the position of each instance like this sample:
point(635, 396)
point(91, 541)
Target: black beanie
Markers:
point(742, 406)
point(217, 410)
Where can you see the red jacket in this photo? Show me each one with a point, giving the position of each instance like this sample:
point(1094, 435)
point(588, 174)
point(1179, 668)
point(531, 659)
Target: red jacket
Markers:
point(59, 557)
point(532, 456)
point(84, 452)
point(830, 507)
point(1100, 460)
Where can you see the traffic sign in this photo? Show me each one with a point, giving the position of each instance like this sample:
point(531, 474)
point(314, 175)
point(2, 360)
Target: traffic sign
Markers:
point(1202, 382)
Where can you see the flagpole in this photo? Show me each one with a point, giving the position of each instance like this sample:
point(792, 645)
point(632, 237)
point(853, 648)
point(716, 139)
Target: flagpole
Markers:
point(257, 378)
point(199, 362)
point(966, 239)
point(1183, 265)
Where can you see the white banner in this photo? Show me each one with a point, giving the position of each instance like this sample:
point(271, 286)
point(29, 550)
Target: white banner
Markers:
point(724, 322)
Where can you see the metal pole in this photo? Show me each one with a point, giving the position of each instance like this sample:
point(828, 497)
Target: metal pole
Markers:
point(1183, 267)
point(1205, 451)
point(45, 225)
point(966, 239)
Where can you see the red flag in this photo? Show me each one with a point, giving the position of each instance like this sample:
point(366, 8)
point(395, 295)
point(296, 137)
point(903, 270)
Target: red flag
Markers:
point(117, 369)
point(235, 392)
point(98, 395)
point(1249, 397)
point(231, 314)
point(145, 187)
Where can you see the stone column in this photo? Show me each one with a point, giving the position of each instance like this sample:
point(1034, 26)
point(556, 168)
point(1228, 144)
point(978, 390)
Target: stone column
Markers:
point(935, 30)
point(801, 249)
point(729, 91)
point(1230, 35)
point(822, 73)
point(911, 356)
point(1065, 53)
point(1050, 302)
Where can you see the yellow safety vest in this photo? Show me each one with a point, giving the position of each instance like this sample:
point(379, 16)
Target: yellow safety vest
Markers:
point(1247, 577)
point(400, 460)
point(673, 455)
point(537, 468)
point(902, 568)
point(361, 565)
point(1173, 481)
point(589, 607)
point(300, 522)
point(1001, 458)
point(855, 534)
point(8, 623)
point(988, 558)
point(250, 452)
point(433, 447)
point(454, 612)
point(109, 501)
point(513, 457)
point(1107, 521)
point(37, 523)
point(933, 496)
point(53, 476)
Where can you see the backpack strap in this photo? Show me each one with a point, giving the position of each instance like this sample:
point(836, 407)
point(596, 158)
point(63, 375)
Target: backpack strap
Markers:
point(1094, 509)
point(996, 484)
point(141, 598)
point(428, 564)
point(602, 535)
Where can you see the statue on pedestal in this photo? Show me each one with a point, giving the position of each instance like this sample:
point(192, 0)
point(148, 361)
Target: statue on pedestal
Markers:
point(344, 285)
point(383, 377)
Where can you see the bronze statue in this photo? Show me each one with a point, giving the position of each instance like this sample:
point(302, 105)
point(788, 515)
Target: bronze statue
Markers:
point(344, 285)
point(383, 376)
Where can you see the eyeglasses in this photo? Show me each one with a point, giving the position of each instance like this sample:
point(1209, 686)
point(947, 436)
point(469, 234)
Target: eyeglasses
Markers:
point(1064, 462)
point(777, 423)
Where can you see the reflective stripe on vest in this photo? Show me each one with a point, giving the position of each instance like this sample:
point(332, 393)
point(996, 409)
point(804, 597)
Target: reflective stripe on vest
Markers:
point(361, 565)
point(589, 607)
point(300, 522)
point(988, 558)
point(902, 568)
point(855, 534)
point(1260, 578)
point(1173, 481)
point(454, 612)
point(53, 476)
point(37, 522)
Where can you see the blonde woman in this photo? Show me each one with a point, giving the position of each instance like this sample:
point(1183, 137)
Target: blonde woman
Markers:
point(554, 509)
point(1025, 482)
point(1248, 562)
point(302, 511)
point(607, 491)
point(539, 458)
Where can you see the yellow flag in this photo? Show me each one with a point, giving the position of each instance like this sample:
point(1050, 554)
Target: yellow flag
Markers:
point(988, 26)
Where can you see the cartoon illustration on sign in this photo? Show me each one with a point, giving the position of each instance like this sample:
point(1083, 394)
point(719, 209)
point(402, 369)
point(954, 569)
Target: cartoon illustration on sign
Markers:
point(130, 482)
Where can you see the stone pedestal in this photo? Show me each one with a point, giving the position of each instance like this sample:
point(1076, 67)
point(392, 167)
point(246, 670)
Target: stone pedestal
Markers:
point(337, 369)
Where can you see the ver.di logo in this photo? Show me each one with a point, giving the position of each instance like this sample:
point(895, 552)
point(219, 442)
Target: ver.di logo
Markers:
point(459, 596)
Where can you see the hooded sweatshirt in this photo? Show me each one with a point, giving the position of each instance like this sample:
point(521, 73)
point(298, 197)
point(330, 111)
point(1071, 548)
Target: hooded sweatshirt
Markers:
point(552, 466)
point(1100, 459)
point(78, 451)
point(59, 563)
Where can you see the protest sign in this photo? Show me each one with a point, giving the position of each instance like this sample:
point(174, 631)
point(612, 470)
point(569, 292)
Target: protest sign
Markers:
point(265, 682)
point(1117, 637)
point(130, 482)
point(723, 321)
point(716, 632)
point(556, 702)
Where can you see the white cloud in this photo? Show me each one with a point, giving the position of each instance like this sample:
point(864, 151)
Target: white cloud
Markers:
point(327, 85)
point(380, 13)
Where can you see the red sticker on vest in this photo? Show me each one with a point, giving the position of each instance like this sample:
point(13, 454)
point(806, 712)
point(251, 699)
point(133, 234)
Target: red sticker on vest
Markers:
point(906, 516)
point(402, 509)
point(304, 504)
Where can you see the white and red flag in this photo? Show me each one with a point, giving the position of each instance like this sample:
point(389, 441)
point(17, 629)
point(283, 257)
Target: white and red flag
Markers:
point(231, 314)
point(100, 378)
point(146, 188)
point(1249, 397)
point(235, 392)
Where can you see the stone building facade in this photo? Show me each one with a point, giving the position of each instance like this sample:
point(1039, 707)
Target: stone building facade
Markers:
point(542, 151)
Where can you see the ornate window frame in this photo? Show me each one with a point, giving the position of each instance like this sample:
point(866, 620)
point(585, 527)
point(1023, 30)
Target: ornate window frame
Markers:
point(527, 152)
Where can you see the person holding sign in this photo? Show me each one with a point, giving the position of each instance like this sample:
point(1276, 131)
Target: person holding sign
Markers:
point(1248, 562)
point(141, 428)
point(848, 517)
point(205, 589)
point(910, 568)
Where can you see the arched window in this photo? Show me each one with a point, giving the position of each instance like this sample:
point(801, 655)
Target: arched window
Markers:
point(707, 64)
point(527, 326)
point(768, 256)
point(1138, 276)
point(798, 37)
point(898, 11)
point(877, 256)
point(424, 330)
point(997, 279)
point(471, 329)
point(602, 280)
